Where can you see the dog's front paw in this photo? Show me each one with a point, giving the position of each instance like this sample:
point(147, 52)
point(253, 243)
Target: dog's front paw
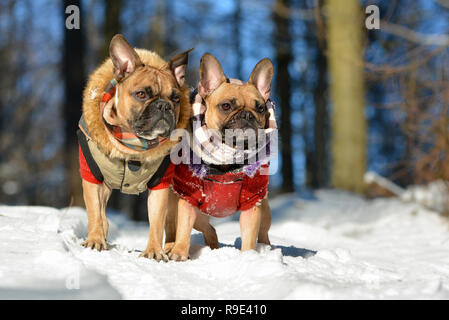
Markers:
point(155, 254)
point(178, 253)
point(98, 244)
point(168, 247)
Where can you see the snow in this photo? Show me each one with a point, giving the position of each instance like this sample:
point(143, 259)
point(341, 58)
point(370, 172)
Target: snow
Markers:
point(433, 195)
point(331, 246)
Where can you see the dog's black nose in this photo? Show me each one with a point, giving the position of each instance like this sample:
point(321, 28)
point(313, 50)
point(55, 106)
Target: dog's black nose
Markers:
point(162, 105)
point(247, 115)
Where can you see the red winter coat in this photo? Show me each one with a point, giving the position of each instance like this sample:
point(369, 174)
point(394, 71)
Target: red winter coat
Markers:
point(220, 195)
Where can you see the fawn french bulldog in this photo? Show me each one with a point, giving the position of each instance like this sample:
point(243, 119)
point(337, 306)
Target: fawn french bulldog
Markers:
point(131, 104)
point(220, 190)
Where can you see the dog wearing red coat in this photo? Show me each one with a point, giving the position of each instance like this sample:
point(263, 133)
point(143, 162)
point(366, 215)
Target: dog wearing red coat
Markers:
point(219, 190)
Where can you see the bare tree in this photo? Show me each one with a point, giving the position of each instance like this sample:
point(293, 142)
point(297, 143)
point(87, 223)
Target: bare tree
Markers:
point(112, 24)
point(316, 150)
point(284, 56)
point(74, 77)
point(236, 37)
point(157, 29)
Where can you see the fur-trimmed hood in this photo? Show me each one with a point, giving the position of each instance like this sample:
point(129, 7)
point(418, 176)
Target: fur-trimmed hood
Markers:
point(93, 118)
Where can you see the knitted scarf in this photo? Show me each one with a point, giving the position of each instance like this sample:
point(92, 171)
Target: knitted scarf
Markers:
point(126, 138)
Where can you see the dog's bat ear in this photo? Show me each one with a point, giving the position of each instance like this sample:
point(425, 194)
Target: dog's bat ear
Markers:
point(123, 56)
point(261, 77)
point(211, 75)
point(178, 66)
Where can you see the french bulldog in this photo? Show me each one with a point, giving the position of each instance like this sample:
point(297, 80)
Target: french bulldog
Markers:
point(225, 189)
point(131, 104)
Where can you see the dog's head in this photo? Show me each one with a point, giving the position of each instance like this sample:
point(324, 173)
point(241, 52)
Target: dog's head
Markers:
point(147, 100)
point(232, 105)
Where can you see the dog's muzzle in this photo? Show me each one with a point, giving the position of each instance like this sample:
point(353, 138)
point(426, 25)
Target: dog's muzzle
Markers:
point(247, 125)
point(243, 120)
point(157, 120)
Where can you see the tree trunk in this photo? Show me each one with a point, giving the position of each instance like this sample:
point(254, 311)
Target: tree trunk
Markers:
point(283, 45)
point(236, 39)
point(157, 30)
point(112, 24)
point(74, 77)
point(316, 148)
point(345, 57)
point(320, 123)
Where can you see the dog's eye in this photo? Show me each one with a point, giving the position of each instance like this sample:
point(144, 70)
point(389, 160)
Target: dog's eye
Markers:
point(260, 107)
point(141, 95)
point(225, 106)
point(176, 99)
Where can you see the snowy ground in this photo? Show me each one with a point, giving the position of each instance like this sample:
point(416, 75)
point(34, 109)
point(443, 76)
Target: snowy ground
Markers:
point(336, 246)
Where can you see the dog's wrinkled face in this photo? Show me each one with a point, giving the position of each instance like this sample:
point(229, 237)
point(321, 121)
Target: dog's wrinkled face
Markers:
point(148, 99)
point(232, 105)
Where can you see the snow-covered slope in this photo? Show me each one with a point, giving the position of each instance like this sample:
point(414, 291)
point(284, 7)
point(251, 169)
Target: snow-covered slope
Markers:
point(336, 246)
